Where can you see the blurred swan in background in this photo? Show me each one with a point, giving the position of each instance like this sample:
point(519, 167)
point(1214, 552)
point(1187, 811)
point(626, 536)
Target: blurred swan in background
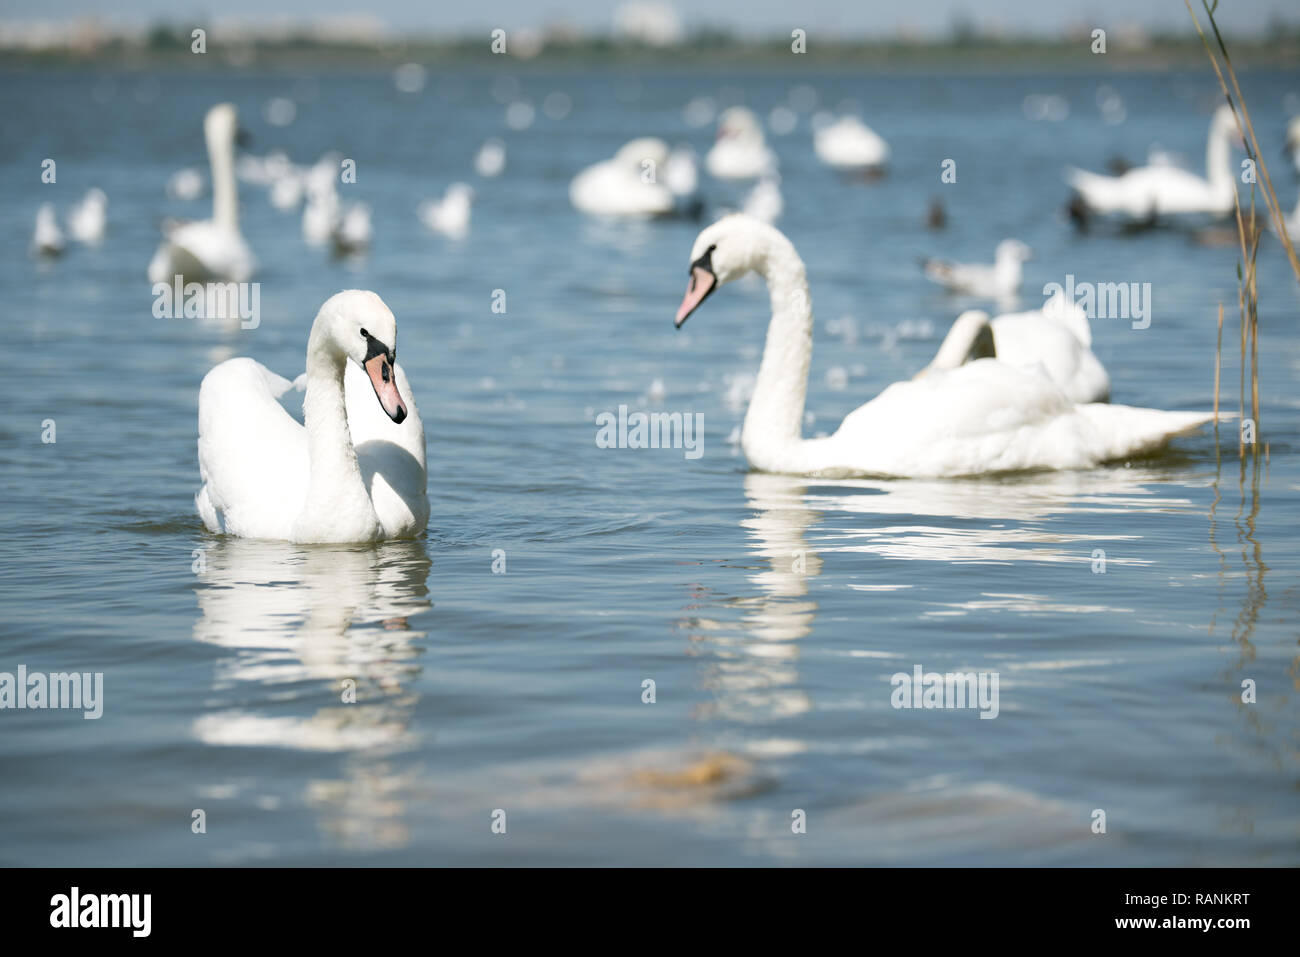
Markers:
point(353, 231)
point(450, 215)
point(982, 416)
point(1057, 337)
point(88, 218)
point(490, 160)
point(848, 144)
point(211, 249)
point(1293, 141)
point(47, 238)
point(998, 281)
point(741, 151)
point(355, 471)
point(628, 184)
point(1162, 189)
point(186, 184)
point(764, 200)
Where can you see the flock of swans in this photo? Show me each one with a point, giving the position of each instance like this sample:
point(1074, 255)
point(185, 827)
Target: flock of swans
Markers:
point(1018, 391)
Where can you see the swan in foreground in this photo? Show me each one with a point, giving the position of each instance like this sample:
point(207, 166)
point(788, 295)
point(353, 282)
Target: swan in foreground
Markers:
point(47, 238)
point(87, 219)
point(983, 416)
point(627, 184)
point(1057, 337)
point(998, 281)
point(850, 145)
point(210, 249)
point(450, 215)
point(741, 150)
point(354, 472)
point(1162, 189)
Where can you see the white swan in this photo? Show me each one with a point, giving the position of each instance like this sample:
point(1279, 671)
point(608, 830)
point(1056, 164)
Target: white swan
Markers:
point(349, 474)
point(47, 238)
point(1293, 141)
point(185, 184)
point(490, 160)
point(983, 416)
point(450, 215)
point(353, 231)
point(998, 281)
point(320, 214)
point(1149, 192)
point(849, 144)
point(627, 184)
point(87, 219)
point(1056, 337)
point(741, 150)
point(213, 248)
point(764, 200)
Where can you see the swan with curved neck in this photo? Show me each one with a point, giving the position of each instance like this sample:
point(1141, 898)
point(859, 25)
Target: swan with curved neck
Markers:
point(982, 416)
point(266, 476)
point(1149, 192)
point(211, 249)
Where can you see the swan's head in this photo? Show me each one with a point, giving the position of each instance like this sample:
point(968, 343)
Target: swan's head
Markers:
point(730, 248)
point(221, 125)
point(1013, 250)
point(739, 123)
point(1224, 123)
point(358, 324)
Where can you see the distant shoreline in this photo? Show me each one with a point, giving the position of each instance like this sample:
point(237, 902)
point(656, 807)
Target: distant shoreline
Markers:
point(164, 49)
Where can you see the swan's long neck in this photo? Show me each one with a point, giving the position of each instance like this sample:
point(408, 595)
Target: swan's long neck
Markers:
point(335, 490)
point(225, 201)
point(774, 423)
point(1218, 158)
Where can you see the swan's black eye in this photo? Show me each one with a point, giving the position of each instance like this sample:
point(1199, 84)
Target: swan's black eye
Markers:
point(364, 334)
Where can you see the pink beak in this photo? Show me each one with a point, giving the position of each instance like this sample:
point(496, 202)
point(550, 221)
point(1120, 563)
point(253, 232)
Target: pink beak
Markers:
point(383, 377)
point(702, 283)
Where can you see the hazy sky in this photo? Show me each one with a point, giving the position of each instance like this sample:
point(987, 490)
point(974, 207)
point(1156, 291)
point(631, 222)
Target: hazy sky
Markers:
point(855, 16)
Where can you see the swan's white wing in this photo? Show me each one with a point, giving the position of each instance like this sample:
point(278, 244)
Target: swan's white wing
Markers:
point(989, 416)
point(1028, 338)
point(391, 456)
point(611, 189)
point(252, 453)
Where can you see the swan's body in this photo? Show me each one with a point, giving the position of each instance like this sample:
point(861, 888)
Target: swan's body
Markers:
point(87, 220)
point(211, 249)
point(998, 281)
point(983, 416)
point(355, 471)
point(1057, 338)
point(320, 214)
point(628, 184)
point(741, 150)
point(353, 231)
point(849, 144)
point(450, 215)
point(1162, 189)
point(47, 238)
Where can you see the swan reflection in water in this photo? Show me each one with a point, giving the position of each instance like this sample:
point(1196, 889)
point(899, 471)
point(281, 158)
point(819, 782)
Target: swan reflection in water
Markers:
point(302, 629)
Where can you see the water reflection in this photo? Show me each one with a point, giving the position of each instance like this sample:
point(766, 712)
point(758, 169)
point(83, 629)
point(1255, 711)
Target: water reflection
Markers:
point(320, 639)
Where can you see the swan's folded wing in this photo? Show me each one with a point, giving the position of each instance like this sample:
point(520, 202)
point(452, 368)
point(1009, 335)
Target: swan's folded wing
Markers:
point(252, 453)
